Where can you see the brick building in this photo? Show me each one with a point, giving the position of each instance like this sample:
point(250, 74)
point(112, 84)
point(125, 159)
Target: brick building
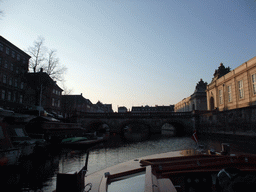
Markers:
point(13, 67)
point(43, 91)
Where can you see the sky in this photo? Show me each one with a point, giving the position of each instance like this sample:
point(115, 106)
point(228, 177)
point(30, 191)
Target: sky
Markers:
point(136, 52)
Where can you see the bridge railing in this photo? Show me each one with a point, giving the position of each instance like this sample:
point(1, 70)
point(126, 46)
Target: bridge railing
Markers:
point(136, 114)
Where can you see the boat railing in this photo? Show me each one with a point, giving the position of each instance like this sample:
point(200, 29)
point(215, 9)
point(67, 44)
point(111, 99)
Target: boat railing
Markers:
point(72, 181)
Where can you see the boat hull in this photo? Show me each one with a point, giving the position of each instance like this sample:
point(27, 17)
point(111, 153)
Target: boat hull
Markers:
point(9, 157)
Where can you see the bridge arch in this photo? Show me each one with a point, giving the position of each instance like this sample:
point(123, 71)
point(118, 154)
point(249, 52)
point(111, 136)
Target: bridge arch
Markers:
point(179, 127)
point(96, 126)
point(135, 130)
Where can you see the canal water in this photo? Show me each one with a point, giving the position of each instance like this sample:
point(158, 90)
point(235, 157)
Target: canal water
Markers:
point(39, 173)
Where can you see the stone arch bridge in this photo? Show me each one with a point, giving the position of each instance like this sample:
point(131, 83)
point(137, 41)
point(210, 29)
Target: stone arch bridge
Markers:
point(139, 123)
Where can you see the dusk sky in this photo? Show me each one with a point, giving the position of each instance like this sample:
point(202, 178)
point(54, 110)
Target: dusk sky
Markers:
point(136, 52)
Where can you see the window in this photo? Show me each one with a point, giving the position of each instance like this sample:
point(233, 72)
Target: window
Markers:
point(4, 79)
point(17, 70)
point(10, 81)
point(21, 98)
point(1, 60)
point(254, 84)
point(11, 66)
point(53, 91)
point(1, 47)
point(241, 89)
point(3, 94)
point(229, 93)
point(18, 57)
point(58, 103)
point(6, 64)
point(16, 83)
point(13, 54)
point(21, 85)
point(53, 102)
point(9, 96)
point(7, 50)
point(221, 96)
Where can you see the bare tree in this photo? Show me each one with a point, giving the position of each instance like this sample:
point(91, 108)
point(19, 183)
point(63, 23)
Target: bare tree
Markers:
point(66, 91)
point(42, 57)
point(53, 67)
point(37, 53)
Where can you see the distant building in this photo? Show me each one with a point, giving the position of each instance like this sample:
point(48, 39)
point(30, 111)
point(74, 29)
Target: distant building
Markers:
point(43, 91)
point(233, 89)
point(99, 107)
point(143, 109)
point(122, 109)
point(13, 66)
point(75, 104)
point(196, 101)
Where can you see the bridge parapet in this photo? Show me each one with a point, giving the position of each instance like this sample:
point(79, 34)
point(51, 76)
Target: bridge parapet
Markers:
point(236, 121)
point(140, 115)
point(183, 122)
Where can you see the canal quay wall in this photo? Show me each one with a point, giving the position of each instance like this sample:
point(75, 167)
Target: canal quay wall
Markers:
point(238, 124)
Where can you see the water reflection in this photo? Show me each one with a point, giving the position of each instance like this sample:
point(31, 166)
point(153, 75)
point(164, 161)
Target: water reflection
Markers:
point(39, 172)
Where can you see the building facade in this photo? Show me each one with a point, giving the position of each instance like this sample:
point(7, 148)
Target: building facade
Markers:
point(43, 91)
point(99, 107)
point(75, 104)
point(196, 101)
point(122, 109)
point(13, 66)
point(144, 109)
point(234, 89)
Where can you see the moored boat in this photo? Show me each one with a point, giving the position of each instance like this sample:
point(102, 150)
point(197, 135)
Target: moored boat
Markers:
point(9, 155)
point(80, 142)
point(21, 139)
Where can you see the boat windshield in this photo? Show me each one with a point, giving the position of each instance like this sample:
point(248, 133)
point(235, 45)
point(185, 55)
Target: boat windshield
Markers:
point(134, 182)
point(20, 132)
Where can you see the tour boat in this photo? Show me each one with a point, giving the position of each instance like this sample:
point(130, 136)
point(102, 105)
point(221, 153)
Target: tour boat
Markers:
point(188, 170)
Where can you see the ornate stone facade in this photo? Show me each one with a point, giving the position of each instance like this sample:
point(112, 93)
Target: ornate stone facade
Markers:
point(233, 89)
point(196, 101)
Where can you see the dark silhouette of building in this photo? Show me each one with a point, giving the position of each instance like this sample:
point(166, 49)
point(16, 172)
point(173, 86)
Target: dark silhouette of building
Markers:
point(43, 91)
point(122, 109)
point(13, 67)
point(99, 107)
point(157, 108)
point(75, 105)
